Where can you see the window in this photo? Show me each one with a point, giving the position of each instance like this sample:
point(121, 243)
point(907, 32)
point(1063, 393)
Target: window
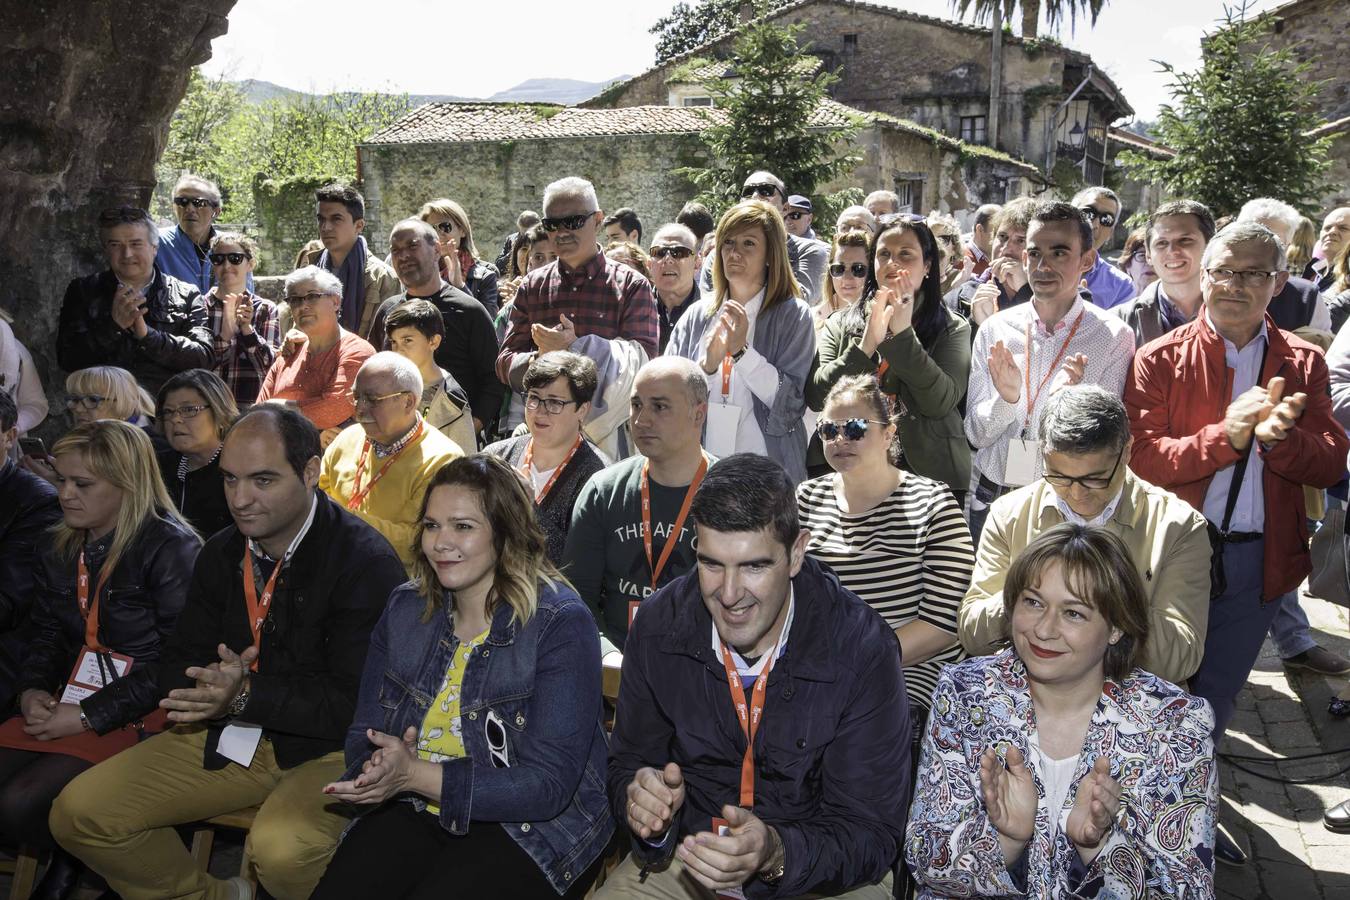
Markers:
point(850, 42)
point(910, 192)
point(973, 129)
point(697, 101)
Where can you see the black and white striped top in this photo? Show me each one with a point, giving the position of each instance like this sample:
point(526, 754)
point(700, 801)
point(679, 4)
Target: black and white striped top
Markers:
point(910, 557)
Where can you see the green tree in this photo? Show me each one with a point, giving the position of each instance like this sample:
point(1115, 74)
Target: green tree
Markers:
point(194, 143)
point(1238, 124)
point(761, 120)
point(1055, 12)
point(688, 26)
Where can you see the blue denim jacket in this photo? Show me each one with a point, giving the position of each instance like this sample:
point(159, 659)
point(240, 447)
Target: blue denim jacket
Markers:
point(539, 686)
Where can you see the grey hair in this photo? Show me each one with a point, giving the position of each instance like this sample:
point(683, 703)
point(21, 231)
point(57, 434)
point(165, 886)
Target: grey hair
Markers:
point(569, 187)
point(1247, 232)
point(1084, 418)
point(861, 212)
point(404, 370)
point(1087, 195)
point(884, 197)
point(695, 382)
point(421, 226)
point(1270, 209)
point(323, 279)
point(673, 229)
point(205, 185)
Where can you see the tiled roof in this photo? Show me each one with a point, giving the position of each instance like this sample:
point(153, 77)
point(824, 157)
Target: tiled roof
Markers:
point(690, 73)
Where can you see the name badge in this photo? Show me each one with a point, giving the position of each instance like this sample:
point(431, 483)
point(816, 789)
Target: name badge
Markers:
point(724, 421)
point(721, 828)
point(1022, 459)
point(93, 671)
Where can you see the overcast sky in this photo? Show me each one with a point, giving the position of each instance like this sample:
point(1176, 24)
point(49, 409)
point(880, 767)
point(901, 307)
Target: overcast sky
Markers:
point(475, 49)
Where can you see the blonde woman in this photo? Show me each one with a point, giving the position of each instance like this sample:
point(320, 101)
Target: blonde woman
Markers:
point(460, 264)
point(100, 392)
point(509, 654)
point(110, 582)
point(848, 275)
point(754, 337)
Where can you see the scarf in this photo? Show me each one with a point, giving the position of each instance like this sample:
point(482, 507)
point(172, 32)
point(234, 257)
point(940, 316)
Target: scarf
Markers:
point(352, 274)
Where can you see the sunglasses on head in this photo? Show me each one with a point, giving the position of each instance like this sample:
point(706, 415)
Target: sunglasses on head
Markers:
point(236, 259)
point(857, 270)
point(764, 190)
point(571, 223)
point(198, 202)
point(1105, 218)
point(677, 252)
point(851, 429)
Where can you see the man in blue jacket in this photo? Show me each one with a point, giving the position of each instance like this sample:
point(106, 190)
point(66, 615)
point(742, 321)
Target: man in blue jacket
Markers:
point(758, 641)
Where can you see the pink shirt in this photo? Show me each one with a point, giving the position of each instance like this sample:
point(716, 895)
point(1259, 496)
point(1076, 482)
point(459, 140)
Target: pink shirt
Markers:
point(319, 383)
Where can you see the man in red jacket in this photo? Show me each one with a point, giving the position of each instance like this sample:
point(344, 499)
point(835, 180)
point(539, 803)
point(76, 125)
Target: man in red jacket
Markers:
point(1233, 415)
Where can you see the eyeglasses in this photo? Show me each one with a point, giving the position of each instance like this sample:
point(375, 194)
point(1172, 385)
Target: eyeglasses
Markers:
point(765, 190)
point(88, 401)
point(236, 259)
point(570, 223)
point(306, 299)
point(857, 270)
point(551, 405)
point(795, 216)
point(1107, 219)
point(1228, 276)
point(1089, 482)
point(186, 412)
point(372, 399)
point(677, 252)
point(448, 228)
point(196, 202)
point(851, 429)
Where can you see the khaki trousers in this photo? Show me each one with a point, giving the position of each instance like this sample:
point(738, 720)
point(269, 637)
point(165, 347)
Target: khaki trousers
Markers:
point(119, 818)
point(673, 884)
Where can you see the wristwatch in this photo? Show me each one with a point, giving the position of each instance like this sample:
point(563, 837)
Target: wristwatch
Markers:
point(772, 875)
point(736, 357)
point(84, 722)
point(240, 701)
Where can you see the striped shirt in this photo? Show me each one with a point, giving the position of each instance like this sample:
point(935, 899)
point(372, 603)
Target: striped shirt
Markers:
point(909, 557)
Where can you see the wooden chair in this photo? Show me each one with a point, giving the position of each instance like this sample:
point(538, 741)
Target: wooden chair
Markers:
point(204, 836)
point(24, 868)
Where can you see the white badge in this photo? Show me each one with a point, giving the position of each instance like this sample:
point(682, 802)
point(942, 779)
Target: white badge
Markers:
point(724, 421)
point(89, 676)
point(239, 741)
point(1022, 459)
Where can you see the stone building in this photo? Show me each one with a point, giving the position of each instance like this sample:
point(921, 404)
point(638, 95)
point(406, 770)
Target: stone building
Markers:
point(496, 159)
point(1055, 103)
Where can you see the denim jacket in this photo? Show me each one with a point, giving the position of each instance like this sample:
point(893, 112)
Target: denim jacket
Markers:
point(539, 686)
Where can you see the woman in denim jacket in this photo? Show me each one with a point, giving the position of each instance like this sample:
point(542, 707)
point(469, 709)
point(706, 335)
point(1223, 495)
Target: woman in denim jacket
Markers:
point(480, 709)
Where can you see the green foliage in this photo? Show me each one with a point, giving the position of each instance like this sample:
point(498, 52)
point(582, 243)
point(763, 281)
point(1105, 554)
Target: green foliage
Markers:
point(1237, 125)
point(1055, 13)
point(767, 108)
point(195, 132)
point(686, 27)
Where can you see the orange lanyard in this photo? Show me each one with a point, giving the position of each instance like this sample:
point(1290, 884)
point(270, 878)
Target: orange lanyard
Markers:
point(528, 460)
point(359, 493)
point(749, 717)
point(88, 608)
point(257, 608)
point(674, 537)
point(1033, 398)
point(726, 375)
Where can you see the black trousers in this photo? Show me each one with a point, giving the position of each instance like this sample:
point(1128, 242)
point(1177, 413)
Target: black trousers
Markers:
point(29, 782)
point(397, 853)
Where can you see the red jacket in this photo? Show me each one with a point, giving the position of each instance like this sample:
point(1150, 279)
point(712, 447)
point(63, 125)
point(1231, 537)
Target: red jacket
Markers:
point(1177, 394)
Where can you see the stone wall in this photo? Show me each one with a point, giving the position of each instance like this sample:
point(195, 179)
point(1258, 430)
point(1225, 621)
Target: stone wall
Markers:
point(286, 220)
point(87, 88)
point(1317, 32)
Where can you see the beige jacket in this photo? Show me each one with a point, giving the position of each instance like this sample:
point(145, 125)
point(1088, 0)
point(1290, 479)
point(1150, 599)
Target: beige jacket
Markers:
point(1166, 538)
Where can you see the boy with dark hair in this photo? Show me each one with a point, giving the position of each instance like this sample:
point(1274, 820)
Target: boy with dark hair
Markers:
point(414, 330)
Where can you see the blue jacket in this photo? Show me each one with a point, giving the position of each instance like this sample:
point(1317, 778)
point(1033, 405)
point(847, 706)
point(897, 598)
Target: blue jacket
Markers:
point(832, 753)
point(179, 258)
point(540, 684)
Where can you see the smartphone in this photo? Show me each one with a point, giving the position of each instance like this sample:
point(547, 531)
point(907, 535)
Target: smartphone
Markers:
point(31, 446)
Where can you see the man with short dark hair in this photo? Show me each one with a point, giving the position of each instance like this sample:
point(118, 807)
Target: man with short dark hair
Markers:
point(261, 674)
point(623, 225)
point(979, 243)
point(133, 315)
point(366, 281)
point(673, 266)
point(1178, 232)
point(764, 740)
point(1108, 285)
point(695, 216)
point(416, 331)
point(1004, 281)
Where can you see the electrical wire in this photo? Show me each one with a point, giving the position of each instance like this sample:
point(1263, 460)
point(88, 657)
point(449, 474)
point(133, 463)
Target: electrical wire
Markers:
point(1236, 760)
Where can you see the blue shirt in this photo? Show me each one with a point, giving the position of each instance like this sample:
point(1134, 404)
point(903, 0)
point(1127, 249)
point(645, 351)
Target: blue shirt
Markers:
point(1109, 286)
point(180, 257)
point(1249, 514)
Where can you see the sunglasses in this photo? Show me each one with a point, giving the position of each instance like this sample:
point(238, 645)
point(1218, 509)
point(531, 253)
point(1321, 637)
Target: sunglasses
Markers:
point(764, 190)
point(449, 227)
point(236, 259)
point(571, 223)
point(891, 218)
point(851, 429)
point(495, 732)
point(1105, 218)
point(197, 202)
point(796, 216)
point(857, 270)
point(677, 252)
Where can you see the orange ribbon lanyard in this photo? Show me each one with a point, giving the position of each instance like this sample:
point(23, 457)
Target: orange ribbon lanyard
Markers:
point(257, 607)
point(750, 716)
point(1033, 398)
point(882, 370)
point(528, 460)
point(727, 363)
point(359, 493)
point(88, 607)
point(673, 538)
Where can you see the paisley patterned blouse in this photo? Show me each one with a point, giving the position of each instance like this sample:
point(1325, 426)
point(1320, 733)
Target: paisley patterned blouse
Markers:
point(1157, 739)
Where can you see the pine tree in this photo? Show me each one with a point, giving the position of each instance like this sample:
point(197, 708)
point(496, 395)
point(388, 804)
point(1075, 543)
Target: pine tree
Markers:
point(688, 26)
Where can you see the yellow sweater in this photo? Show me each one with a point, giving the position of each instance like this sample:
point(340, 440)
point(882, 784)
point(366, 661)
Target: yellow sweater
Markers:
point(392, 505)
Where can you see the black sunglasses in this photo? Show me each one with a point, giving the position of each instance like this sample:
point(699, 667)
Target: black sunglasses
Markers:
point(857, 270)
point(448, 227)
point(571, 223)
point(851, 429)
point(1107, 219)
point(764, 190)
point(677, 252)
point(198, 202)
point(236, 259)
point(794, 216)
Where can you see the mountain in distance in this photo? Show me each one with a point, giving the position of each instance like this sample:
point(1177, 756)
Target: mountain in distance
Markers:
point(566, 91)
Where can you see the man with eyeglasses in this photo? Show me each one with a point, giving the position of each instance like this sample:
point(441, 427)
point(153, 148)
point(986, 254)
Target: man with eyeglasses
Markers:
point(317, 378)
point(586, 303)
point(1085, 448)
point(133, 315)
point(1233, 414)
point(1109, 286)
point(673, 265)
point(183, 248)
point(380, 467)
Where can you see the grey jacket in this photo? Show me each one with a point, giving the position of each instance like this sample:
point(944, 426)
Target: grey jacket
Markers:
point(1144, 315)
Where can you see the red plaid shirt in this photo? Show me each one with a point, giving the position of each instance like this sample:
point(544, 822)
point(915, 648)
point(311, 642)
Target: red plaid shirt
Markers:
point(601, 297)
point(242, 362)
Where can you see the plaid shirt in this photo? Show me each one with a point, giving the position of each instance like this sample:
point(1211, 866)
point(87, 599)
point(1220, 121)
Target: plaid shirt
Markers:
point(243, 360)
point(601, 297)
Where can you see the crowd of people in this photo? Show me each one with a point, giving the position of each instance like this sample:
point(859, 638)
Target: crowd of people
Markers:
point(922, 560)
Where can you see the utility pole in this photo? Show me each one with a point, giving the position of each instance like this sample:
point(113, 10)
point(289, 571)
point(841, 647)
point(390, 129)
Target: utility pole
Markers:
point(995, 75)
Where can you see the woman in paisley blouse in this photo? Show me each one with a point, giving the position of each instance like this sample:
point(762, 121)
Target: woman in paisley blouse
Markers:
point(1057, 768)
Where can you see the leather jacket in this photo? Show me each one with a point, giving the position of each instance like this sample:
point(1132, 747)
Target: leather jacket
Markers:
point(28, 507)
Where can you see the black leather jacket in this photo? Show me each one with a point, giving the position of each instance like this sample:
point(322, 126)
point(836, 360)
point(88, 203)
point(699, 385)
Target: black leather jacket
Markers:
point(28, 507)
point(137, 612)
